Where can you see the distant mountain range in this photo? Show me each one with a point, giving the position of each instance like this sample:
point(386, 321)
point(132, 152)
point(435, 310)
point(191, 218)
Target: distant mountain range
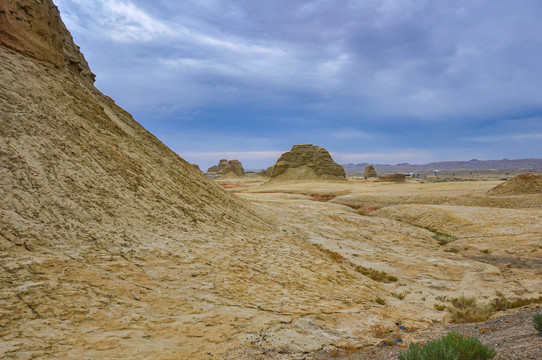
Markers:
point(474, 164)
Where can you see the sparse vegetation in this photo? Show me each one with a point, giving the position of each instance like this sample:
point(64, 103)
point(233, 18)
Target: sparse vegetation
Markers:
point(444, 239)
point(441, 237)
point(380, 301)
point(467, 310)
point(537, 321)
point(452, 250)
point(380, 331)
point(453, 346)
point(376, 275)
point(334, 255)
point(501, 303)
point(399, 296)
point(440, 307)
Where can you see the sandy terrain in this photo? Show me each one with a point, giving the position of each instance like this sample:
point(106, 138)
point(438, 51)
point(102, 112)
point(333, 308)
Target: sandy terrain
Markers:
point(494, 248)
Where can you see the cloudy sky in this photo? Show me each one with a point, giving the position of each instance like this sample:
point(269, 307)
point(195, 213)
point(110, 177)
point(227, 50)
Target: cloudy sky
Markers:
point(381, 81)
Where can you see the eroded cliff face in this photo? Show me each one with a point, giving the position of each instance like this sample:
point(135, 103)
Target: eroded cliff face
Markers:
point(34, 28)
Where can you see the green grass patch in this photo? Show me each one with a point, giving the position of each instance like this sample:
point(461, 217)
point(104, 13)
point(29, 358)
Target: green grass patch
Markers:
point(453, 346)
point(537, 321)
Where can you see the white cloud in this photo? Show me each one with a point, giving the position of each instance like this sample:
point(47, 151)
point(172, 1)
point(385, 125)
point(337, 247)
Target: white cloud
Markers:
point(125, 22)
point(117, 20)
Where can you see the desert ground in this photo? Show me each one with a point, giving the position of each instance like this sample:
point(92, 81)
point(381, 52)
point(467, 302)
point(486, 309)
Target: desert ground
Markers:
point(496, 246)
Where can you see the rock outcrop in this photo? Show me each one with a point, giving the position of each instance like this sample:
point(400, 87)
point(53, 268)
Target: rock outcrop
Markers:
point(218, 168)
point(233, 168)
point(519, 185)
point(34, 29)
point(396, 178)
point(307, 162)
point(370, 172)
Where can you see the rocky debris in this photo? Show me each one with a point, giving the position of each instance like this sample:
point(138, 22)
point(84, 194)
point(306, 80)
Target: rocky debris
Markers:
point(370, 172)
point(396, 178)
point(511, 334)
point(218, 168)
point(307, 162)
point(518, 185)
point(233, 168)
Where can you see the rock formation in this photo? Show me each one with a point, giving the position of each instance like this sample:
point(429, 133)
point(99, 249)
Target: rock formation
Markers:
point(196, 166)
point(217, 168)
point(370, 172)
point(519, 185)
point(397, 178)
point(307, 162)
point(233, 168)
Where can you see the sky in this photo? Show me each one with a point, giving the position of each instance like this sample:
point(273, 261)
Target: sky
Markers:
point(378, 81)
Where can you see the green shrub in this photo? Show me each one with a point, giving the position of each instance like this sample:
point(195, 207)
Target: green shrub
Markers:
point(537, 320)
point(453, 346)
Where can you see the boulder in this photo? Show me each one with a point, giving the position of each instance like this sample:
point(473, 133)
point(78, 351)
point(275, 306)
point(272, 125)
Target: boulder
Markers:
point(370, 172)
point(307, 162)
